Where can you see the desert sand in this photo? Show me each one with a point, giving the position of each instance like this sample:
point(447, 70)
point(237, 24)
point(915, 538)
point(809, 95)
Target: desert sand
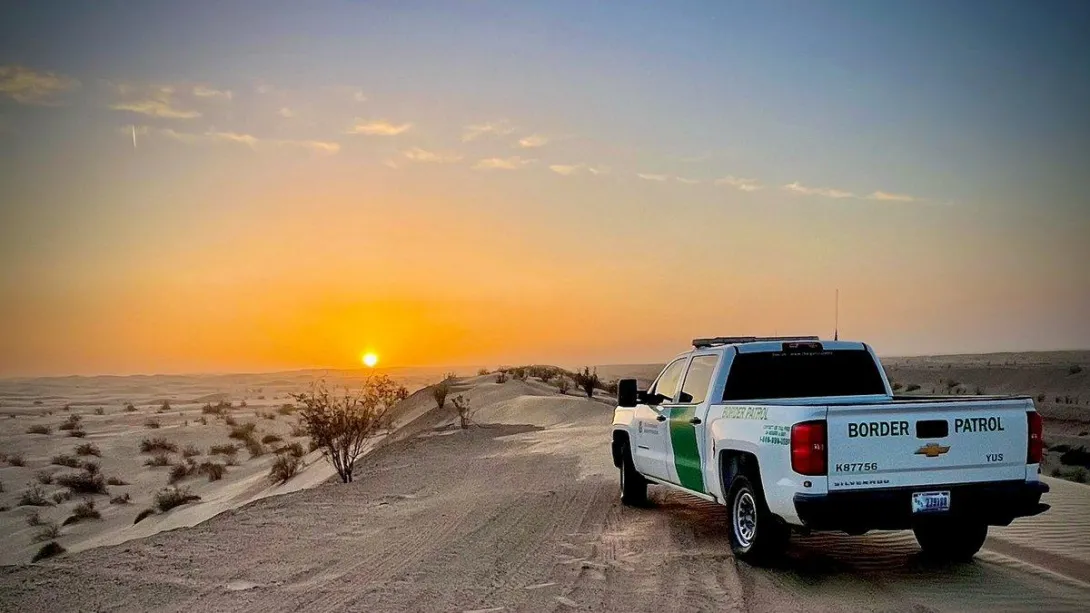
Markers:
point(518, 513)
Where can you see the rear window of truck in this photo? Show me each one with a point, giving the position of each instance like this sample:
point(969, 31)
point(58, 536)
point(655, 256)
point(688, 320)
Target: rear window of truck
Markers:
point(757, 376)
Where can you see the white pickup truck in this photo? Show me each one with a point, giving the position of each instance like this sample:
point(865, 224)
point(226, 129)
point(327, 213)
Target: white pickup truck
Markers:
point(798, 433)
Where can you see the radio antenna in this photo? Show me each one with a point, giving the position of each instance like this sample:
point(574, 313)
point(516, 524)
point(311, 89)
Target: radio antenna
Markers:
point(836, 324)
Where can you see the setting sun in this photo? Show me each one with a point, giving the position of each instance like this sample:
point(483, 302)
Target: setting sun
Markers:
point(370, 359)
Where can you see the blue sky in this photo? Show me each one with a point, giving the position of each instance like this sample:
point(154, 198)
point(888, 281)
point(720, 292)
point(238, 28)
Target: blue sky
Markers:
point(927, 157)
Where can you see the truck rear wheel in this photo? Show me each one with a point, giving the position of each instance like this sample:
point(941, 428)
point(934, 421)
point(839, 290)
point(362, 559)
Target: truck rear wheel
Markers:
point(755, 534)
point(950, 540)
point(633, 485)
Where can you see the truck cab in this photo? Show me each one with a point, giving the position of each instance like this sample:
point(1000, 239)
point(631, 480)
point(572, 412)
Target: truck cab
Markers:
point(796, 433)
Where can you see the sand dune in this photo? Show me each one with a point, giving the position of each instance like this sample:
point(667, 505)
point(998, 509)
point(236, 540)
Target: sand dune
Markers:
point(520, 514)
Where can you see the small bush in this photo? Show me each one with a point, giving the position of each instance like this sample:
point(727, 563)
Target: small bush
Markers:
point(191, 451)
point(100, 411)
point(91, 467)
point(152, 423)
point(563, 384)
point(271, 438)
point(255, 447)
point(208, 409)
point(295, 449)
point(1074, 370)
point(72, 423)
point(122, 499)
point(48, 550)
point(157, 444)
point(115, 481)
point(83, 482)
point(177, 473)
point(202, 420)
point(227, 449)
point(230, 421)
point(212, 470)
point(88, 449)
point(897, 387)
point(142, 515)
point(39, 429)
point(298, 430)
point(158, 460)
point(170, 497)
point(501, 377)
point(588, 380)
point(1077, 456)
point(439, 393)
point(16, 459)
point(979, 391)
point(163, 408)
point(33, 497)
point(77, 433)
point(37, 403)
point(1040, 397)
point(243, 432)
point(82, 511)
point(464, 410)
point(34, 518)
point(483, 371)
point(62, 496)
point(286, 409)
point(130, 408)
point(284, 468)
point(911, 387)
point(43, 477)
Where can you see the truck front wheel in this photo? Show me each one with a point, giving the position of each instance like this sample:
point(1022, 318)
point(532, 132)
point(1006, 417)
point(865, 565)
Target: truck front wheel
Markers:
point(633, 485)
point(755, 534)
point(950, 540)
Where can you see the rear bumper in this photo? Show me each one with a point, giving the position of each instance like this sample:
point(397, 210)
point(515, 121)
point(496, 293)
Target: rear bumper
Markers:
point(996, 504)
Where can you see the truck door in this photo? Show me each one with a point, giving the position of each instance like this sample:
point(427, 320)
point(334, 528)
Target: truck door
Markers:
point(652, 430)
point(686, 416)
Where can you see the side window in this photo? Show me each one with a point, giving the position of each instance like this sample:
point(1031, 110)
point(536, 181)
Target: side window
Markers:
point(697, 379)
point(663, 390)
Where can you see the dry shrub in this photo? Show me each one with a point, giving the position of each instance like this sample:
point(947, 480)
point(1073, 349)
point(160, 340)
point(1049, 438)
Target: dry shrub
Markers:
point(33, 497)
point(43, 477)
point(100, 411)
point(92, 467)
point(177, 473)
point(16, 459)
point(62, 496)
point(212, 470)
point(563, 384)
point(295, 449)
point(284, 468)
point(298, 430)
point(130, 408)
point(47, 531)
point(255, 447)
point(158, 460)
point(83, 511)
point(88, 449)
point(271, 438)
point(64, 460)
point(191, 451)
point(340, 425)
point(587, 380)
point(38, 429)
point(77, 433)
point(202, 420)
point(230, 421)
point(501, 376)
point(84, 482)
point(48, 551)
point(34, 518)
point(170, 497)
point(243, 431)
point(464, 410)
point(157, 444)
point(142, 515)
point(115, 481)
point(163, 408)
point(152, 423)
point(439, 392)
point(122, 499)
point(72, 423)
point(483, 371)
point(286, 409)
point(228, 449)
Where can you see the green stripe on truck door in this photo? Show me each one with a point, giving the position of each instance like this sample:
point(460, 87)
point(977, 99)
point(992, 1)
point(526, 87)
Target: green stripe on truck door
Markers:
point(685, 451)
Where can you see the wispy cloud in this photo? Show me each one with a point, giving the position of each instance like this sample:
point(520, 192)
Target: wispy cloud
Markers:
point(533, 140)
point(204, 91)
point(490, 128)
point(163, 101)
point(687, 181)
point(155, 108)
point(511, 163)
point(879, 195)
point(568, 170)
point(27, 86)
point(237, 138)
point(286, 112)
point(416, 154)
point(379, 127)
point(826, 192)
point(652, 177)
point(746, 185)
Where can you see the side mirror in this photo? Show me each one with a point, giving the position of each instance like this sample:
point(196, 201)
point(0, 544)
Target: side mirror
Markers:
point(627, 393)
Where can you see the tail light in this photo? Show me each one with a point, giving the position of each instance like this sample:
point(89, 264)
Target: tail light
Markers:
point(808, 451)
point(1036, 446)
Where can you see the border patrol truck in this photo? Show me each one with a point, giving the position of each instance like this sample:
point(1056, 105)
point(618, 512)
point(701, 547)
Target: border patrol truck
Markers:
point(795, 433)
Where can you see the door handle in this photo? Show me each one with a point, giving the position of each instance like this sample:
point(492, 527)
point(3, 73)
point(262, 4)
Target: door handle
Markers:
point(695, 420)
point(660, 417)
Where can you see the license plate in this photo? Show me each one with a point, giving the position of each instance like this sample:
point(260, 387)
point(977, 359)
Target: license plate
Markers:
point(930, 502)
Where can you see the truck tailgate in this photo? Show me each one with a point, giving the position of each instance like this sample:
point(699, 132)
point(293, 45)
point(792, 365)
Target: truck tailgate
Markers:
point(926, 443)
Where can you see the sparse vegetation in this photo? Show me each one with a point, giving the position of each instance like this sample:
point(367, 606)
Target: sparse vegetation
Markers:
point(212, 470)
point(142, 515)
point(1040, 397)
point(482, 372)
point(34, 518)
point(158, 460)
point(464, 410)
point(87, 449)
point(122, 499)
point(587, 380)
point(39, 429)
point(298, 429)
point(100, 411)
point(44, 477)
point(64, 459)
point(91, 467)
point(47, 531)
point(84, 482)
point(48, 551)
point(911, 387)
point(171, 497)
point(1074, 369)
point(157, 444)
point(115, 481)
point(33, 497)
point(271, 438)
point(439, 392)
point(78, 432)
point(340, 425)
point(230, 421)
point(897, 387)
point(255, 447)
point(269, 416)
point(228, 449)
point(62, 496)
point(83, 511)
point(16, 459)
point(284, 468)
point(286, 409)
point(501, 376)
point(72, 423)
point(243, 432)
point(130, 407)
point(1075, 456)
point(202, 420)
point(191, 451)
point(177, 473)
point(295, 449)
point(164, 407)
point(152, 423)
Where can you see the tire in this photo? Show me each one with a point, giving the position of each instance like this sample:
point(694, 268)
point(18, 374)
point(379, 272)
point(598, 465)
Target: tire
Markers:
point(756, 536)
point(950, 540)
point(633, 485)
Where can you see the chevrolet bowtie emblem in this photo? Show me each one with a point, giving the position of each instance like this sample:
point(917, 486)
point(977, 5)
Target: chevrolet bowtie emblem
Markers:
point(932, 450)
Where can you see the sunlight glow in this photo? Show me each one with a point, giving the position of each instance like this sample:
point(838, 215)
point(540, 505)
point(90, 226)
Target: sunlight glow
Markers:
point(370, 359)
